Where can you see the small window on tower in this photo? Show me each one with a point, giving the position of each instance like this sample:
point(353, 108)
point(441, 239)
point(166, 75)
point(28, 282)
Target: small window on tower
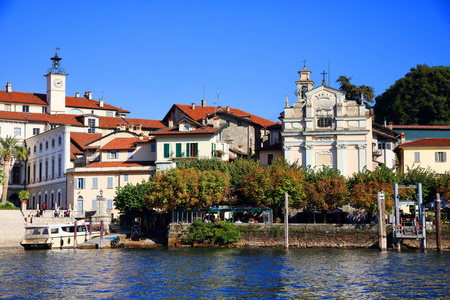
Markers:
point(324, 122)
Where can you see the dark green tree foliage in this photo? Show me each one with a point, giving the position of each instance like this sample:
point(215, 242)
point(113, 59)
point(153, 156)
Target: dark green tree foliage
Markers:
point(221, 233)
point(130, 198)
point(427, 177)
point(422, 97)
point(363, 93)
point(203, 164)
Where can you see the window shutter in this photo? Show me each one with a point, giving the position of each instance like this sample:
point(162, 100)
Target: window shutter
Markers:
point(166, 150)
point(94, 204)
point(445, 156)
point(195, 149)
point(178, 150)
point(416, 156)
point(188, 149)
point(436, 156)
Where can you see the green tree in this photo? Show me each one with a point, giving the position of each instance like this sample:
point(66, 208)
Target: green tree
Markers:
point(268, 185)
point(426, 176)
point(363, 93)
point(188, 189)
point(422, 97)
point(131, 198)
point(443, 185)
point(10, 151)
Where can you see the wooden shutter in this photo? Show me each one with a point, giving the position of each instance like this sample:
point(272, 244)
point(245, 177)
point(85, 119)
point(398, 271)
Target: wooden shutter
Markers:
point(166, 150)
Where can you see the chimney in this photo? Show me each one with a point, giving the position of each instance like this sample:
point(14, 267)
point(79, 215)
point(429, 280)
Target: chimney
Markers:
point(88, 95)
point(193, 106)
point(390, 125)
point(77, 95)
point(139, 129)
point(170, 123)
point(131, 128)
point(402, 138)
point(216, 122)
point(219, 108)
point(204, 121)
point(8, 87)
point(228, 109)
point(203, 103)
point(100, 102)
point(141, 136)
point(287, 101)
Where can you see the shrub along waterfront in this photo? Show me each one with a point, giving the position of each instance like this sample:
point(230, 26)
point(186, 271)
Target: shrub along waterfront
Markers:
point(195, 184)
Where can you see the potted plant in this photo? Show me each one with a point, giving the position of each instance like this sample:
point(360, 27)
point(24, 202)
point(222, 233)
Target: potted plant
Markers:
point(24, 196)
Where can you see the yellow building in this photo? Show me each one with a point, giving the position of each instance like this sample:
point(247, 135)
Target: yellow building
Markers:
point(428, 152)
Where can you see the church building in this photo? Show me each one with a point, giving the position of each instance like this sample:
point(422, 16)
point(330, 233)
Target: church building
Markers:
point(323, 128)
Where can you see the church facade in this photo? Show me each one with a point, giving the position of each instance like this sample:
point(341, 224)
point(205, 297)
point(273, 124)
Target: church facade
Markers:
point(323, 128)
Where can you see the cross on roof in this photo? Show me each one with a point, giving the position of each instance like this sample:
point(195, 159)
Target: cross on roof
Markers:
point(324, 73)
point(304, 63)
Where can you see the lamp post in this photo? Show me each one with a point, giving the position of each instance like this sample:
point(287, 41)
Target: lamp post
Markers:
point(99, 200)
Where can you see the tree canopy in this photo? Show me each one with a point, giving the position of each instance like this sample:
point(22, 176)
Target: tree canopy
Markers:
point(362, 93)
point(422, 97)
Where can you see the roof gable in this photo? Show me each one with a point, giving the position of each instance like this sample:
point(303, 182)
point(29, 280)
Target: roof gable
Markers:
point(427, 142)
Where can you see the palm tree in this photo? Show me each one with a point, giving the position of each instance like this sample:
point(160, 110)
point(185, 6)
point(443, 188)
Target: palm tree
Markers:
point(10, 151)
point(353, 92)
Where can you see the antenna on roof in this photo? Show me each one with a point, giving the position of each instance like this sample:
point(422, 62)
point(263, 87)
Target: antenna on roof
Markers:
point(203, 89)
point(218, 99)
point(329, 72)
point(102, 92)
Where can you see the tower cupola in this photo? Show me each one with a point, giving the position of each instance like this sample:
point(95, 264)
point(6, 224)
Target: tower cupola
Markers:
point(304, 83)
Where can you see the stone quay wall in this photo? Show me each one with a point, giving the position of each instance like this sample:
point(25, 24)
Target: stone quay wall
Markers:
point(309, 235)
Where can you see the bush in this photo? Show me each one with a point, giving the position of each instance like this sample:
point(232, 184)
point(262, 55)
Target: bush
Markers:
point(8, 206)
point(220, 233)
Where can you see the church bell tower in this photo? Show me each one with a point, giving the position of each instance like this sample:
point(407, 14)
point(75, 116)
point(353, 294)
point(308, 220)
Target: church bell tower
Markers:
point(56, 87)
point(304, 83)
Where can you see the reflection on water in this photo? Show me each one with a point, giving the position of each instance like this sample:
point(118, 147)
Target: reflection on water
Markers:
point(223, 273)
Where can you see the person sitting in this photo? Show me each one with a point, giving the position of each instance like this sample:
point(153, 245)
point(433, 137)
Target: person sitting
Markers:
point(67, 213)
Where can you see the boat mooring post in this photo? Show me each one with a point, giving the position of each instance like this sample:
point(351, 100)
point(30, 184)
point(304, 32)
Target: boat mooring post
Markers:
point(286, 220)
point(422, 220)
point(101, 234)
point(382, 241)
point(398, 223)
point(437, 209)
point(75, 235)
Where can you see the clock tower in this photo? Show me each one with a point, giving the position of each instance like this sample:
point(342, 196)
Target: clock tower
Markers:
point(56, 87)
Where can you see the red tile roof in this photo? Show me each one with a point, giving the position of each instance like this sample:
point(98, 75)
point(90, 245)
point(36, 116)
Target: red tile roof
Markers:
point(209, 129)
point(82, 139)
point(199, 112)
point(122, 144)
point(154, 124)
point(86, 103)
point(19, 97)
point(421, 127)
point(113, 122)
point(11, 115)
point(121, 164)
point(443, 142)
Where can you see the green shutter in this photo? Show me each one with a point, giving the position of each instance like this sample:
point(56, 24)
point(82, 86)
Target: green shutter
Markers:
point(188, 150)
point(178, 149)
point(195, 149)
point(166, 150)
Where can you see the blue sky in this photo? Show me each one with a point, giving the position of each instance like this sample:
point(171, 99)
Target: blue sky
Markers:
point(148, 55)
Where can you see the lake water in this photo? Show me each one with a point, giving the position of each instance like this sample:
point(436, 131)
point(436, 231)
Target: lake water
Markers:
point(189, 273)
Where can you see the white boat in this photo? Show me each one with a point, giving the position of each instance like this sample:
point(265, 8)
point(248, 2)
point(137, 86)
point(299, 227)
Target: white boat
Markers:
point(56, 236)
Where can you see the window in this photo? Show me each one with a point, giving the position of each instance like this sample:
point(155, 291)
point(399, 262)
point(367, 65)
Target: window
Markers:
point(53, 167)
point(8, 107)
point(17, 131)
point(40, 147)
point(40, 171)
point(166, 150)
point(46, 145)
point(81, 184)
point(388, 146)
point(91, 125)
point(109, 204)
point(110, 184)
point(110, 114)
point(178, 149)
point(153, 148)
point(381, 146)
point(416, 156)
point(95, 183)
point(44, 110)
point(130, 154)
point(59, 141)
point(46, 170)
point(53, 126)
point(25, 108)
point(34, 148)
point(34, 173)
point(194, 149)
point(324, 122)
point(125, 177)
point(15, 175)
point(94, 203)
point(59, 166)
point(112, 154)
point(440, 156)
point(269, 158)
point(36, 131)
point(28, 174)
point(53, 143)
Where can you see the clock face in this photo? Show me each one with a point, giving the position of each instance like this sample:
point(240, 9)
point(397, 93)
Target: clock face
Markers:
point(58, 83)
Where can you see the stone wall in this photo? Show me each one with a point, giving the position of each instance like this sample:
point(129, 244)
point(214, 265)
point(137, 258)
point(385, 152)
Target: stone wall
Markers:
point(12, 228)
point(309, 235)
